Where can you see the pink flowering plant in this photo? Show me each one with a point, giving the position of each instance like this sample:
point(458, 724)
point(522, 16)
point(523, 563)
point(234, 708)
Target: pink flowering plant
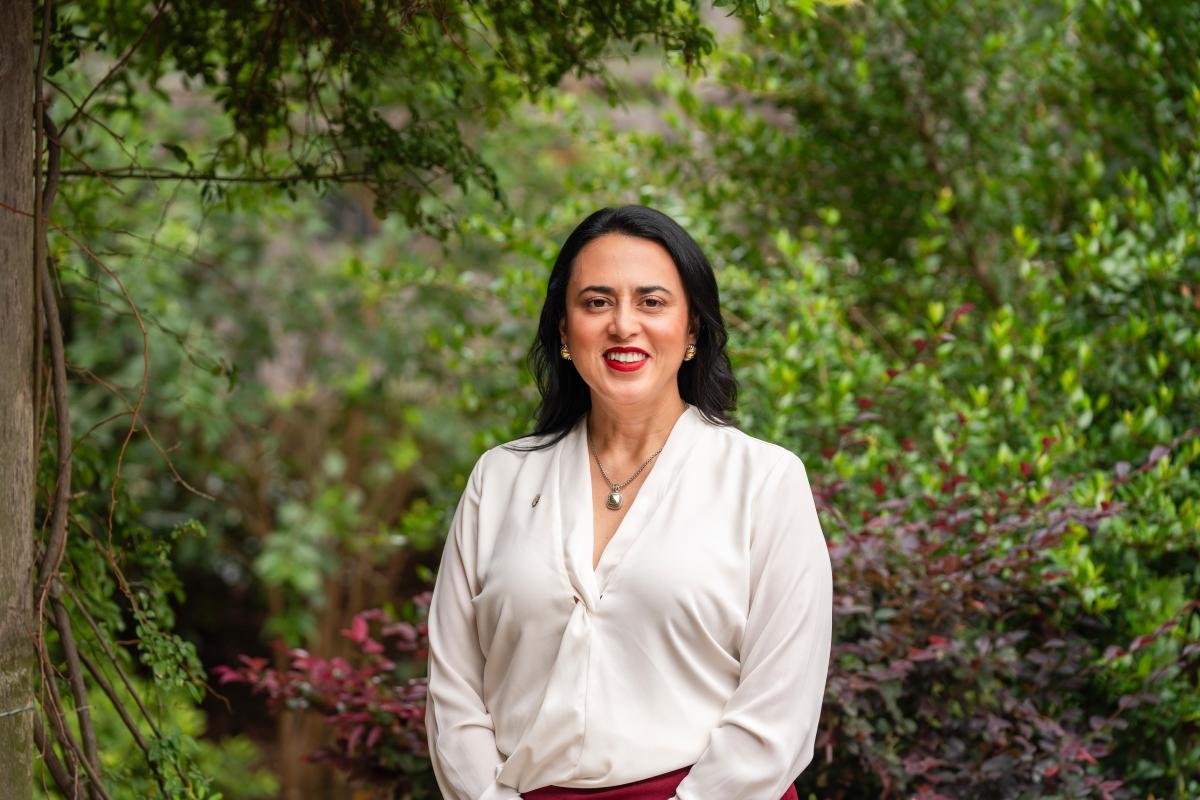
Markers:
point(372, 702)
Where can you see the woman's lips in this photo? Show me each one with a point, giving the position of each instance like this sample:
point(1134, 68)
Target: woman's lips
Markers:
point(626, 359)
point(631, 366)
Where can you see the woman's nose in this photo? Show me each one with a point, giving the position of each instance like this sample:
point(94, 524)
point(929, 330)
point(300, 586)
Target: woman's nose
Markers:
point(622, 323)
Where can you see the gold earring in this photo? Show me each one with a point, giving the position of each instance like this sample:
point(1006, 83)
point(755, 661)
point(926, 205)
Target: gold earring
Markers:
point(565, 352)
point(689, 353)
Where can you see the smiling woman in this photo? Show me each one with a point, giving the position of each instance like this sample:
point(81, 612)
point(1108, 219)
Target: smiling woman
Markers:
point(652, 259)
point(627, 314)
point(634, 601)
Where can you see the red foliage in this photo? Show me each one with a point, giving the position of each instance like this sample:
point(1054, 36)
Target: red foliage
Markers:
point(375, 707)
point(962, 663)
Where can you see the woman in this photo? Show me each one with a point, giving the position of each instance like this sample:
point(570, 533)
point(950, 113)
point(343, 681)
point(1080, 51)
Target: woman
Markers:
point(634, 602)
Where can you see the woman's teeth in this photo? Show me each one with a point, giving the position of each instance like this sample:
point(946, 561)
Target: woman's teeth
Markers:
point(626, 358)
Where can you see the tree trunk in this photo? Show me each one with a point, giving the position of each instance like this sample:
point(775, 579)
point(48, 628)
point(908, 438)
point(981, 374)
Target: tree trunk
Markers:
point(16, 400)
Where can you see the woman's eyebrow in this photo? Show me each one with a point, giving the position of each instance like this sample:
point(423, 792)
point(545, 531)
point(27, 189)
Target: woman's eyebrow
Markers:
point(611, 291)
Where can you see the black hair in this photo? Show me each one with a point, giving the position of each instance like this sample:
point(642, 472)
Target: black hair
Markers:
point(706, 381)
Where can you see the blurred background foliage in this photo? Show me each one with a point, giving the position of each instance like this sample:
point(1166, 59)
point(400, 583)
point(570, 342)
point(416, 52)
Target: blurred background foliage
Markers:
point(957, 247)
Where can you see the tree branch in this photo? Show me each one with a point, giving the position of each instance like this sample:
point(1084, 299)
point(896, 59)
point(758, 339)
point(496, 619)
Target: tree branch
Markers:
point(113, 659)
point(83, 712)
point(115, 68)
point(67, 782)
point(130, 173)
point(57, 717)
point(130, 724)
point(57, 541)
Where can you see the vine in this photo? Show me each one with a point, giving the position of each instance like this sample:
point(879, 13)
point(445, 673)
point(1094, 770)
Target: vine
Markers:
point(71, 753)
point(96, 571)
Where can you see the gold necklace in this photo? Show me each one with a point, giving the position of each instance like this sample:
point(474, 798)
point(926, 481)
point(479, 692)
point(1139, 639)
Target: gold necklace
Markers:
point(613, 503)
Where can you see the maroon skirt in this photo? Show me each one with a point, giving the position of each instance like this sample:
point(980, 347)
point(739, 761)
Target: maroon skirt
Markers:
point(660, 787)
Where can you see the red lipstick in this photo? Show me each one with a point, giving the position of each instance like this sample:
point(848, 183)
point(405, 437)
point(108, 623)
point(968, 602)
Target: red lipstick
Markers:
point(631, 359)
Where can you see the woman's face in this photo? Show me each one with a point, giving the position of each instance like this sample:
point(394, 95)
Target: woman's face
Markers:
point(627, 321)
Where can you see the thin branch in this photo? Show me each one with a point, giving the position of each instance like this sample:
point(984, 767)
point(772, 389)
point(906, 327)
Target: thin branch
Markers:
point(39, 241)
point(131, 173)
point(44, 420)
point(136, 410)
point(115, 68)
point(130, 724)
point(67, 782)
point(88, 166)
point(112, 657)
point(482, 33)
point(83, 711)
point(441, 18)
point(118, 138)
point(117, 704)
point(314, 89)
point(57, 716)
point(39, 388)
point(116, 392)
point(56, 543)
point(145, 384)
point(54, 714)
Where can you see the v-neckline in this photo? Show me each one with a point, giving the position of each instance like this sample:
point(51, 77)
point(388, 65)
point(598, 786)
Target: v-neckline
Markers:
point(622, 540)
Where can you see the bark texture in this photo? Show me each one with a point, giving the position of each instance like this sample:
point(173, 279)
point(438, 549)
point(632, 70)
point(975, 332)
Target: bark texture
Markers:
point(16, 400)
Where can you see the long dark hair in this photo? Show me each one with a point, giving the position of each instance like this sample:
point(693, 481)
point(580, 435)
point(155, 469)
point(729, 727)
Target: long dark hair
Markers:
point(706, 381)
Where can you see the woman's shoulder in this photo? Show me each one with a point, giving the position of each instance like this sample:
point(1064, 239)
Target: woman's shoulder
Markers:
point(759, 455)
point(511, 455)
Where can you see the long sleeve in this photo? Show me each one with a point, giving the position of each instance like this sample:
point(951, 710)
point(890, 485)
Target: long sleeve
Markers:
point(768, 727)
point(462, 739)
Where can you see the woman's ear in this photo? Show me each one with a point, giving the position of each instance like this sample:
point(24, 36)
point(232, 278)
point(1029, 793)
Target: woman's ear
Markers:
point(693, 328)
point(562, 330)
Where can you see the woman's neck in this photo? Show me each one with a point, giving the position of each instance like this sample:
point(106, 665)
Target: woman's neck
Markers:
point(625, 434)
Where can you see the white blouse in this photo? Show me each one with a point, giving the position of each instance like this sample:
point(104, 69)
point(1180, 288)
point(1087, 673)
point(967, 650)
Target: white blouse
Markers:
point(702, 637)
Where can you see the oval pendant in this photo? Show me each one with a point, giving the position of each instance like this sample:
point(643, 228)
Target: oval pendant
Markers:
point(614, 501)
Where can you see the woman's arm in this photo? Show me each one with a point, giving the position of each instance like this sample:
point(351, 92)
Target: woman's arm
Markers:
point(768, 728)
point(462, 738)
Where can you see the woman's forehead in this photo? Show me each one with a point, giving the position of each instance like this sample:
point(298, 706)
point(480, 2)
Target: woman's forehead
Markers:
point(621, 261)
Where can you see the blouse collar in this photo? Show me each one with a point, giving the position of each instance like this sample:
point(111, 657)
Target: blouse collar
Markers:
point(574, 479)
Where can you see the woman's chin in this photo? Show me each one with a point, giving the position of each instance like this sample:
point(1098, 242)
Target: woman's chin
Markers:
point(630, 390)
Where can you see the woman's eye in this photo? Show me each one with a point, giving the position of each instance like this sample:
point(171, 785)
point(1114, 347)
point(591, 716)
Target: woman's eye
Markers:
point(601, 302)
